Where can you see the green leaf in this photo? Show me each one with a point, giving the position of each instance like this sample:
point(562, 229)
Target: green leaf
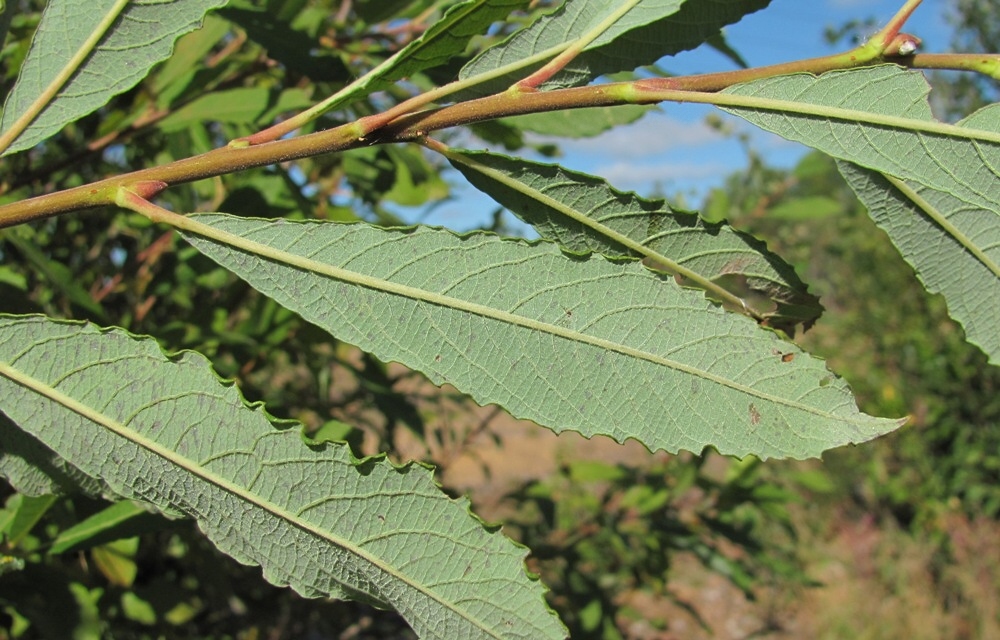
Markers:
point(585, 214)
point(940, 256)
point(189, 52)
point(167, 432)
point(585, 345)
point(121, 520)
point(7, 11)
point(59, 275)
point(243, 105)
point(21, 514)
point(445, 39)
point(116, 561)
point(105, 46)
point(805, 208)
point(294, 48)
point(579, 123)
point(650, 30)
point(938, 203)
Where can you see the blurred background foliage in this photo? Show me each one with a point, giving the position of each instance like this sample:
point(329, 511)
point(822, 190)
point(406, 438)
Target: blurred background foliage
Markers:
point(623, 544)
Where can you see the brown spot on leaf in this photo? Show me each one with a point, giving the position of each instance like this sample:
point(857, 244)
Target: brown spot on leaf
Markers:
point(754, 415)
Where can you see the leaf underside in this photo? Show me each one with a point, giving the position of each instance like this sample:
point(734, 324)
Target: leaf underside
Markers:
point(951, 236)
point(168, 432)
point(143, 35)
point(585, 214)
point(580, 344)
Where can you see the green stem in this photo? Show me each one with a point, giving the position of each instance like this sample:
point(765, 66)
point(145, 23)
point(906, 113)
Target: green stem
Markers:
point(36, 107)
point(984, 63)
point(394, 126)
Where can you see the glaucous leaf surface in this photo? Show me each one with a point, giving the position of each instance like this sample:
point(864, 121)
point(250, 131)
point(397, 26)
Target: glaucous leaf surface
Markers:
point(942, 211)
point(583, 214)
point(587, 345)
point(142, 35)
point(168, 432)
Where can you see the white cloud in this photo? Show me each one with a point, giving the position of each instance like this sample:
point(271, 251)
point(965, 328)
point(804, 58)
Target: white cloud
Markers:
point(629, 176)
point(652, 135)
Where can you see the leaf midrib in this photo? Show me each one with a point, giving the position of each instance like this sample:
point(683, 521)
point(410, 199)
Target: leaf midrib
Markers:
point(641, 248)
point(337, 273)
point(197, 470)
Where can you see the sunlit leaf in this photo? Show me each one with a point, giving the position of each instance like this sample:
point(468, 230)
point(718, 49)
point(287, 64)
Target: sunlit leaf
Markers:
point(585, 345)
point(168, 432)
point(939, 203)
point(139, 33)
point(584, 213)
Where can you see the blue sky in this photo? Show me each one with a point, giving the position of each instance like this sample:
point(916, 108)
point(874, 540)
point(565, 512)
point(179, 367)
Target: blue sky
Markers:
point(685, 155)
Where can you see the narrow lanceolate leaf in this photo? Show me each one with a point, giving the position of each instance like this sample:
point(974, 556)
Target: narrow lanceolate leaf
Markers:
point(84, 53)
point(946, 260)
point(647, 31)
point(168, 432)
point(585, 214)
point(939, 200)
point(581, 344)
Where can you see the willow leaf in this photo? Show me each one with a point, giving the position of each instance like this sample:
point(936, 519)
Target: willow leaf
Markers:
point(84, 53)
point(938, 202)
point(941, 260)
point(581, 344)
point(646, 32)
point(168, 432)
point(585, 214)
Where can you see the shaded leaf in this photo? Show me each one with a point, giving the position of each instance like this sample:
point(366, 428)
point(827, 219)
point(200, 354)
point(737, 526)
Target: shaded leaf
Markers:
point(116, 561)
point(585, 345)
point(243, 105)
point(167, 432)
point(447, 37)
point(189, 52)
point(120, 520)
point(879, 119)
point(56, 273)
point(443, 40)
point(21, 514)
point(649, 31)
point(35, 470)
point(142, 35)
point(297, 50)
